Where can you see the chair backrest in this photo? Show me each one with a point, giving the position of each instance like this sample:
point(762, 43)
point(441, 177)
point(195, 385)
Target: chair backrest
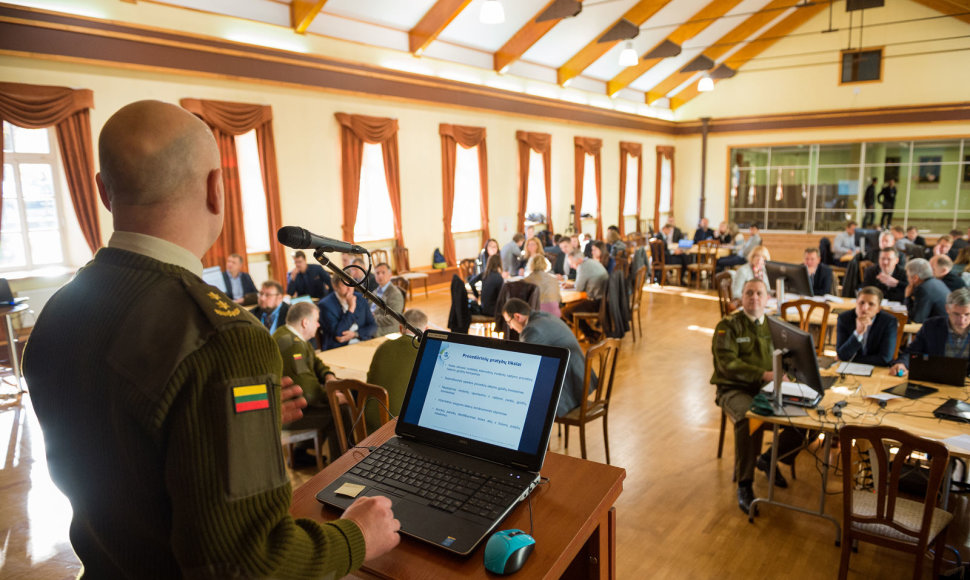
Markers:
point(636, 295)
point(601, 359)
point(887, 469)
point(466, 268)
point(402, 260)
point(353, 395)
point(707, 251)
point(378, 257)
point(863, 266)
point(805, 309)
point(402, 284)
point(838, 277)
point(658, 250)
point(723, 281)
point(901, 319)
point(518, 289)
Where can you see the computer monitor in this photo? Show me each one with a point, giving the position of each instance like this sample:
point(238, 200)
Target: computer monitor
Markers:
point(213, 277)
point(795, 276)
point(798, 360)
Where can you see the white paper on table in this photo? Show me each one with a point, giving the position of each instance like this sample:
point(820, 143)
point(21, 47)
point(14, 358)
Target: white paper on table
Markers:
point(790, 389)
point(883, 396)
point(960, 441)
point(833, 298)
point(857, 369)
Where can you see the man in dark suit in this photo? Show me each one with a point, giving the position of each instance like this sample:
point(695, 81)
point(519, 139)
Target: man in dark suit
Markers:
point(959, 242)
point(703, 232)
point(925, 295)
point(866, 334)
point(819, 274)
point(239, 284)
point(307, 279)
point(676, 234)
point(912, 234)
point(943, 336)
point(869, 200)
point(887, 197)
point(345, 317)
point(888, 276)
point(271, 309)
point(943, 271)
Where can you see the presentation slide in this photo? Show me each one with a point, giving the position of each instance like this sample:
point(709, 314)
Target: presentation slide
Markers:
point(480, 393)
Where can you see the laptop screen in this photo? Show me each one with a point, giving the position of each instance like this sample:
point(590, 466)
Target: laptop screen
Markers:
point(213, 277)
point(490, 398)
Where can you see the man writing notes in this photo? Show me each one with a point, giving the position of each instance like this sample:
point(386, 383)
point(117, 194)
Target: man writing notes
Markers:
point(167, 441)
point(742, 365)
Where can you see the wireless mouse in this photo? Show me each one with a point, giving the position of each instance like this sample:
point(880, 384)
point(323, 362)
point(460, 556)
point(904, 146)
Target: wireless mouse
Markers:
point(507, 550)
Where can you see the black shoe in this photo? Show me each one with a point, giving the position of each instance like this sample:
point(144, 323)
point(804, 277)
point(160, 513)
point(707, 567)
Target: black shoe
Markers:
point(745, 497)
point(780, 480)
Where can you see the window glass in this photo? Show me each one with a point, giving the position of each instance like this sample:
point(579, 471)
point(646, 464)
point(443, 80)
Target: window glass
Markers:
point(750, 157)
point(666, 185)
point(29, 140)
point(375, 219)
point(630, 187)
point(255, 221)
point(840, 154)
point(790, 156)
point(838, 188)
point(589, 186)
point(535, 201)
point(887, 153)
point(788, 188)
point(466, 215)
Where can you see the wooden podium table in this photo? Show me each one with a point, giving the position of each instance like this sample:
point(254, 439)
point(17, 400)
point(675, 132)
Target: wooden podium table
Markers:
point(575, 523)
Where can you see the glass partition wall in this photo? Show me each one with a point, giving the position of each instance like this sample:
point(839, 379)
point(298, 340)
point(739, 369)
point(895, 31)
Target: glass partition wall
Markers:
point(817, 188)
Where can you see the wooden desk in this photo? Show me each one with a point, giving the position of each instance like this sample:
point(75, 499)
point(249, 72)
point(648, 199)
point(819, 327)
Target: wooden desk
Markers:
point(351, 361)
point(7, 312)
point(575, 523)
point(567, 295)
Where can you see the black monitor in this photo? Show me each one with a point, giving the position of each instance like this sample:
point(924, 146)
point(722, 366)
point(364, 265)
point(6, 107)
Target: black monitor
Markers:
point(795, 276)
point(799, 359)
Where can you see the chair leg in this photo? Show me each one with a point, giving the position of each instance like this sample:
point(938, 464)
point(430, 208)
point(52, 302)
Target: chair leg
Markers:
point(566, 440)
point(720, 439)
point(606, 440)
point(846, 552)
point(316, 451)
point(939, 547)
point(582, 440)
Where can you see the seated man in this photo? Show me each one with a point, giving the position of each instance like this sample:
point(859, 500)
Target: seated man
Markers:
point(912, 234)
point(560, 266)
point(391, 295)
point(844, 246)
point(742, 365)
point(271, 309)
point(345, 317)
point(947, 336)
point(866, 334)
point(307, 279)
point(540, 327)
point(358, 271)
point(819, 274)
point(703, 231)
point(391, 368)
point(888, 276)
point(591, 278)
point(239, 284)
point(925, 295)
point(301, 364)
point(677, 256)
point(960, 241)
point(741, 251)
point(943, 271)
point(886, 240)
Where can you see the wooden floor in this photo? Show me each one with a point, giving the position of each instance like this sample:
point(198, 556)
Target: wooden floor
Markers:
point(677, 515)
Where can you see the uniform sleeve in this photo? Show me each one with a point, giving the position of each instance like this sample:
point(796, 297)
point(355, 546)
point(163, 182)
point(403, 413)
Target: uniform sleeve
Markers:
point(320, 368)
point(727, 361)
point(229, 492)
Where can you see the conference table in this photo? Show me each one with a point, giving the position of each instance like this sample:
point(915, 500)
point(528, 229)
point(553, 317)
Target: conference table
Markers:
point(575, 523)
point(353, 361)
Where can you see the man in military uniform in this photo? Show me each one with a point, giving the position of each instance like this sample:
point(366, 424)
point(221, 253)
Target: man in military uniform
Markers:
point(742, 365)
point(160, 400)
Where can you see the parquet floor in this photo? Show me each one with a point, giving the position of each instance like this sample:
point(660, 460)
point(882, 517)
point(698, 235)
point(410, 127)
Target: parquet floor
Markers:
point(677, 516)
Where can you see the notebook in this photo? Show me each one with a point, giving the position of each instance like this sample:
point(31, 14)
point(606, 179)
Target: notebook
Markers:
point(954, 410)
point(6, 295)
point(469, 442)
point(910, 390)
point(938, 369)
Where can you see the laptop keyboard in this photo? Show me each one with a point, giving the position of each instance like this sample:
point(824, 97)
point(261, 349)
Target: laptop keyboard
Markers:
point(446, 487)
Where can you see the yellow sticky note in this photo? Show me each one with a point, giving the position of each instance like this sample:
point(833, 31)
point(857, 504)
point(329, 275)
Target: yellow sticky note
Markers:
point(350, 489)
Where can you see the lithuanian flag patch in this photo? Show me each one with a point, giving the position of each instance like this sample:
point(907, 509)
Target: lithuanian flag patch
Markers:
point(250, 398)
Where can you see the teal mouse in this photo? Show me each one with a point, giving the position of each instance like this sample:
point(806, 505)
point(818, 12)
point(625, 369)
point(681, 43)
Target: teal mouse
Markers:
point(507, 550)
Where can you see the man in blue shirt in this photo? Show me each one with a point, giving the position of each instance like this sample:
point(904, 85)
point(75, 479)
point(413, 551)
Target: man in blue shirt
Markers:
point(947, 336)
point(271, 310)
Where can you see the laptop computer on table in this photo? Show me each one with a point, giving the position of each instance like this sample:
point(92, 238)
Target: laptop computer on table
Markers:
point(938, 369)
point(469, 442)
point(6, 294)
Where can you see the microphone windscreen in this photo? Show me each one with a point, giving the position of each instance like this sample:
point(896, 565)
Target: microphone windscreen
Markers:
point(293, 237)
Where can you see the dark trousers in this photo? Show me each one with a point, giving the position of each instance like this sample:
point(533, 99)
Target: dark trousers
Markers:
point(729, 262)
point(746, 444)
point(887, 216)
point(869, 217)
point(580, 306)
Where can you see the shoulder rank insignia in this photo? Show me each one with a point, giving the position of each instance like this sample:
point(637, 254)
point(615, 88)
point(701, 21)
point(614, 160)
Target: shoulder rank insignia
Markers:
point(250, 398)
point(223, 308)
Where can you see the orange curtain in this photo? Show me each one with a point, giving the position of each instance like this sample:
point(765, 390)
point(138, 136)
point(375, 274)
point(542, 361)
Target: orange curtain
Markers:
point(541, 143)
point(37, 107)
point(355, 130)
point(228, 120)
point(588, 146)
point(633, 150)
point(451, 137)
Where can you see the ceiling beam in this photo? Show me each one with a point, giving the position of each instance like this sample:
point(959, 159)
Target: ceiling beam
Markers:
point(752, 49)
point(637, 14)
point(523, 40)
point(697, 23)
point(738, 34)
point(959, 9)
point(437, 19)
point(302, 13)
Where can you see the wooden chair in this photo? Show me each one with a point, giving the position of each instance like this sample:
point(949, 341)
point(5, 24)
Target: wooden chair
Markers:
point(805, 309)
point(466, 269)
point(403, 285)
point(289, 438)
point(706, 261)
point(658, 261)
point(901, 319)
point(723, 282)
point(863, 266)
point(838, 275)
point(378, 257)
point(354, 395)
point(600, 358)
point(881, 516)
point(595, 320)
point(636, 296)
point(402, 260)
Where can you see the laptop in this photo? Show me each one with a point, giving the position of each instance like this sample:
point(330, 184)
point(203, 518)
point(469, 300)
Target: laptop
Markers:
point(910, 390)
point(469, 442)
point(6, 295)
point(213, 277)
point(685, 244)
point(938, 369)
point(953, 410)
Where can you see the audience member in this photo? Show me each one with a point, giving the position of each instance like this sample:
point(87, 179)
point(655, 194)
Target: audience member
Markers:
point(925, 295)
point(676, 235)
point(844, 243)
point(742, 365)
point(943, 271)
point(866, 334)
point(942, 336)
point(888, 276)
point(345, 317)
point(959, 242)
point(912, 234)
point(591, 278)
point(391, 366)
point(549, 297)
point(742, 248)
point(533, 248)
point(887, 197)
point(961, 261)
point(869, 201)
point(239, 284)
point(723, 234)
point(885, 240)
point(560, 266)
point(615, 242)
point(492, 282)
point(703, 232)
point(601, 254)
point(902, 243)
point(270, 308)
point(358, 270)
point(490, 249)
point(530, 232)
point(391, 295)
point(307, 279)
point(510, 254)
point(754, 269)
point(943, 245)
point(819, 274)
point(539, 327)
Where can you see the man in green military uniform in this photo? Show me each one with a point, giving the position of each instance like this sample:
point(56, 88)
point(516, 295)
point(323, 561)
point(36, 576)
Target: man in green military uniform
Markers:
point(742, 365)
point(391, 368)
point(160, 399)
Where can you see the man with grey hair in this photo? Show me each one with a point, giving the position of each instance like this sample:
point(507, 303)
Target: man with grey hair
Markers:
point(591, 278)
point(947, 336)
point(925, 295)
point(943, 270)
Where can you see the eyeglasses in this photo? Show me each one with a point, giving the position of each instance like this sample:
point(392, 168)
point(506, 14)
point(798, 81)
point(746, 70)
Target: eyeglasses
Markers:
point(269, 294)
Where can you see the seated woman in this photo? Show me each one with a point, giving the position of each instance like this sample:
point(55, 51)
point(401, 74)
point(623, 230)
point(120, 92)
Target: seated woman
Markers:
point(615, 242)
point(532, 248)
point(962, 260)
point(491, 249)
point(549, 296)
point(601, 254)
point(492, 281)
point(755, 268)
point(866, 334)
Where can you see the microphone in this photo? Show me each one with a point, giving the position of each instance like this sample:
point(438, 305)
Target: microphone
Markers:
point(301, 239)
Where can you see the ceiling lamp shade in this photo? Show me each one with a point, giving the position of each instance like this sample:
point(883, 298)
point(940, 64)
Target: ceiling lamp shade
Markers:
point(492, 12)
point(706, 84)
point(629, 55)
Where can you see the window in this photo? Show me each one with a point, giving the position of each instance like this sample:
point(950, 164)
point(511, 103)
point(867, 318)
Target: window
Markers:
point(466, 215)
point(861, 65)
point(375, 221)
point(535, 201)
point(589, 186)
point(666, 185)
point(255, 222)
point(32, 232)
point(630, 187)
